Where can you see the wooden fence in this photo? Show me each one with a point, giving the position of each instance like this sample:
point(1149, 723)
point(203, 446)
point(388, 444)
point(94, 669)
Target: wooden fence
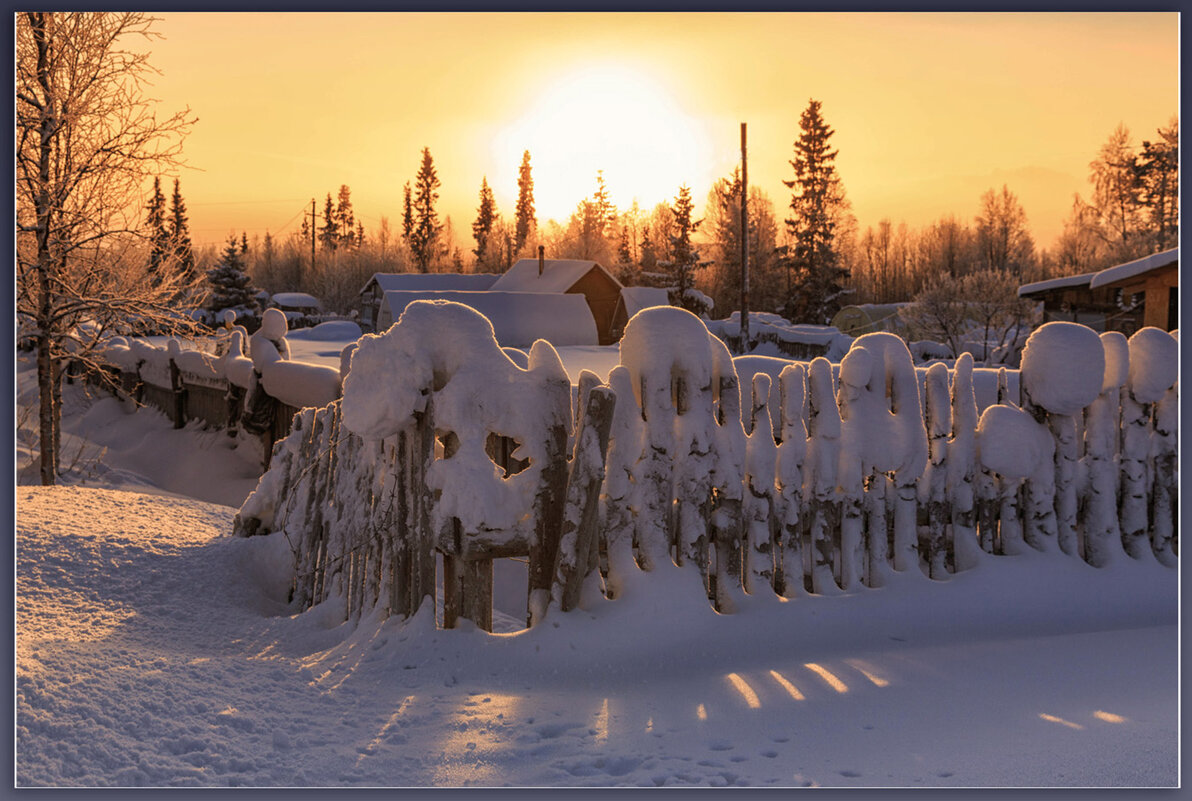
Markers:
point(215, 402)
point(659, 464)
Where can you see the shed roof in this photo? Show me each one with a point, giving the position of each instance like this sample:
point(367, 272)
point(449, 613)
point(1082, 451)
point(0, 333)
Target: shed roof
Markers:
point(1055, 283)
point(558, 275)
point(518, 318)
point(438, 282)
point(1131, 269)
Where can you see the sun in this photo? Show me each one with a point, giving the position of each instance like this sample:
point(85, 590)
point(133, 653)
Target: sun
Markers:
point(609, 117)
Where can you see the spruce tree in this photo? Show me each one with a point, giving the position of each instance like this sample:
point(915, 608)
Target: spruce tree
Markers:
point(486, 215)
point(525, 204)
point(345, 219)
point(407, 215)
point(817, 206)
point(329, 230)
point(231, 288)
point(424, 238)
point(159, 237)
point(684, 256)
point(184, 254)
point(606, 212)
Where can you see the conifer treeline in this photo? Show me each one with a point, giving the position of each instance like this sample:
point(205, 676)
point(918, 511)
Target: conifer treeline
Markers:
point(816, 260)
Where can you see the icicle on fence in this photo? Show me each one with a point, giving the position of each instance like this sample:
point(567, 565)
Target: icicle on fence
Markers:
point(442, 450)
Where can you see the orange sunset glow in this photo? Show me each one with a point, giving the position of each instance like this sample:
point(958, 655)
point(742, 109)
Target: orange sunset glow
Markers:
point(930, 110)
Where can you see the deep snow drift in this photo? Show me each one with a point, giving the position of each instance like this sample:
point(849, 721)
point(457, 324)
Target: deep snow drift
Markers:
point(153, 648)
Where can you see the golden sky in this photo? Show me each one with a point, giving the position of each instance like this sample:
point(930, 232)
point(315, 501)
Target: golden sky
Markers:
point(930, 110)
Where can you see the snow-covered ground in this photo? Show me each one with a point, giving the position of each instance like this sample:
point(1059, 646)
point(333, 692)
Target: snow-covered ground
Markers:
point(153, 648)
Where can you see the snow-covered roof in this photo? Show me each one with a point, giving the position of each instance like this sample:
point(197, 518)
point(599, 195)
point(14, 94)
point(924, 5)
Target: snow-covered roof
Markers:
point(1131, 269)
point(1055, 283)
point(518, 318)
point(558, 275)
point(637, 298)
point(434, 282)
point(296, 300)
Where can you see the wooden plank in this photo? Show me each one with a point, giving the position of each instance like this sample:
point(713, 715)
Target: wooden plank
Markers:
point(573, 560)
point(548, 499)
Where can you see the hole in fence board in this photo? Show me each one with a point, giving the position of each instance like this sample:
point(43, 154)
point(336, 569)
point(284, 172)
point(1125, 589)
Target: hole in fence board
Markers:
point(500, 450)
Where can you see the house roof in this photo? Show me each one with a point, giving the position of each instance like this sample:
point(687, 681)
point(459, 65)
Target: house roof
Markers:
point(1055, 283)
point(437, 282)
point(637, 298)
point(558, 275)
point(518, 318)
point(1131, 269)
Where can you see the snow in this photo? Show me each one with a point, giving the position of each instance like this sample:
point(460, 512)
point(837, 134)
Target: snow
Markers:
point(153, 649)
point(1117, 359)
point(1154, 364)
point(1063, 367)
point(1055, 283)
point(558, 275)
point(330, 331)
point(1031, 670)
point(1011, 443)
point(519, 318)
point(296, 300)
point(637, 298)
point(1123, 272)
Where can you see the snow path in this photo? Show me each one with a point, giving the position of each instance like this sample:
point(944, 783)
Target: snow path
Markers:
point(153, 649)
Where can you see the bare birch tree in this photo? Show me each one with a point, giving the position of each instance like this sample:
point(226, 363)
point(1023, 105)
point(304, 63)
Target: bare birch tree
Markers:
point(87, 138)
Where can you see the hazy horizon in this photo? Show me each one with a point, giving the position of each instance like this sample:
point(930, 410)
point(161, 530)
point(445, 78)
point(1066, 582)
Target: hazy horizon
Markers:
point(930, 109)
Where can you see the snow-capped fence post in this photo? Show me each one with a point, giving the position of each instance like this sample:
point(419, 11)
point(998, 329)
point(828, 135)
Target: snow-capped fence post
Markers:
point(1010, 501)
point(760, 464)
point(178, 412)
point(820, 476)
point(422, 537)
point(962, 469)
point(657, 477)
point(551, 492)
point(727, 509)
point(933, 494)
point(792, 388)
point(579, 536)
point(1153, 370)
point(1102, 532)
point(625, 448)
point(1165, 458)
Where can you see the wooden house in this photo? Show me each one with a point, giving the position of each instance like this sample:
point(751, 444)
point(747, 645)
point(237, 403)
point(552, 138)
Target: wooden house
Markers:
point(1122, 298)
point(569, 277)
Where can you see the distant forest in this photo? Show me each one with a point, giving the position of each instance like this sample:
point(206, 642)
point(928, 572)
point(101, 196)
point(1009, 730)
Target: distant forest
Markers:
point(807, 258)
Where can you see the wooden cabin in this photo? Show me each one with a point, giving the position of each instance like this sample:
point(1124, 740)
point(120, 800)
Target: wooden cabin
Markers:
point(1122, 298)
point(570, 277)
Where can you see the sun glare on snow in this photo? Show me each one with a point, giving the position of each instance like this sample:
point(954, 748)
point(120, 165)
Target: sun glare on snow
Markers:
point(606, 117)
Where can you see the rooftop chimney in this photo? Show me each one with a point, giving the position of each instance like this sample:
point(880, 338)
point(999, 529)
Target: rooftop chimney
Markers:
point(541, 259)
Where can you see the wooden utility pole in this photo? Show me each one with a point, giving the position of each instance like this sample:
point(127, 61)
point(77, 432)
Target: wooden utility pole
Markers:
point(744, 248)
point(312, 236)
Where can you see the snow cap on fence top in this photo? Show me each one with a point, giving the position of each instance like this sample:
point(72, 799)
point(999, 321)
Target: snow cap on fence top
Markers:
point(1154, 364)
point(662, 339)
point(883, 433)
point(1117, 359)
point(273, 324)
point(1011, 443)
point(1063, 367)
point(388, 372)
